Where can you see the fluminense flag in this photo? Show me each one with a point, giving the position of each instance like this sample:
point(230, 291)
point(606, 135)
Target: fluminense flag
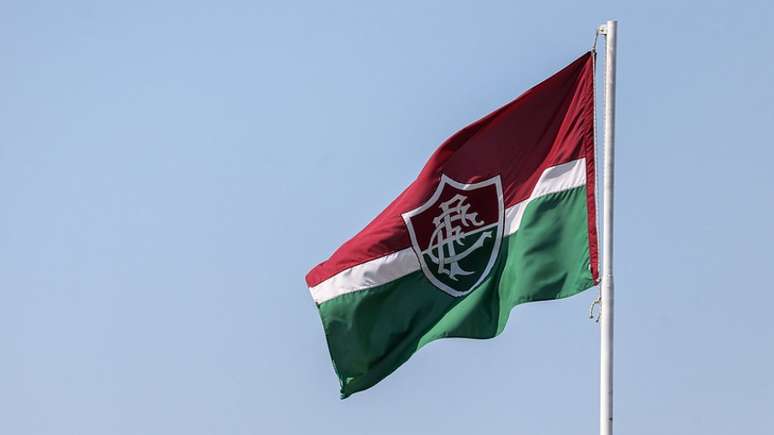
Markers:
point(501, 214)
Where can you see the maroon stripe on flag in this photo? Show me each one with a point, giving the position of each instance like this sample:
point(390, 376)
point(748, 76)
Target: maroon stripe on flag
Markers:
point(548, 125)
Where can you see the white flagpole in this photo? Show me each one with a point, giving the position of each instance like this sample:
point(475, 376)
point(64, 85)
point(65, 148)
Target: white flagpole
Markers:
point(606, 312)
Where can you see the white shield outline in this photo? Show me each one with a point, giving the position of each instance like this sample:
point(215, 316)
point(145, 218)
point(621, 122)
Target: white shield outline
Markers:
point(430, 202)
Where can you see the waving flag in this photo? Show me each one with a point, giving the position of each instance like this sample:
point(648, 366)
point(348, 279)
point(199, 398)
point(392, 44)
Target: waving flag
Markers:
point(501, 214)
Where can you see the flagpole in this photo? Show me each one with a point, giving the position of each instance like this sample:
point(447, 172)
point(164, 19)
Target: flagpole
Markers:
point(606, 313)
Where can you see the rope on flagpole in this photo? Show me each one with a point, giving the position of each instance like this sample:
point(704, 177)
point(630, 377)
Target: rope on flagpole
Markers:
point(598, 301)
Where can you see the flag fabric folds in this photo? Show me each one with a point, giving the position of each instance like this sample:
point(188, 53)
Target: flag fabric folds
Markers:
point(502, 213)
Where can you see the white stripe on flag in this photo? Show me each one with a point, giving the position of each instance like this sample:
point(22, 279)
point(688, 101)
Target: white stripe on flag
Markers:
point(393, 266)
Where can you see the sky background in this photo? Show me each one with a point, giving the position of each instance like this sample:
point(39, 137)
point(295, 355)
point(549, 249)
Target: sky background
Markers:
point(169, 172)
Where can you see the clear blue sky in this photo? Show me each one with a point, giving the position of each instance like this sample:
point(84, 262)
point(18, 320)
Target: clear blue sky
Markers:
point(169, 171)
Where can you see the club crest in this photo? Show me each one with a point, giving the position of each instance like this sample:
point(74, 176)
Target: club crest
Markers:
point(456, 234)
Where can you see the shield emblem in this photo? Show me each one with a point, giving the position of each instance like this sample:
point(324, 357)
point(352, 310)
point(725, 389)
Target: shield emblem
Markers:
point(456, 234)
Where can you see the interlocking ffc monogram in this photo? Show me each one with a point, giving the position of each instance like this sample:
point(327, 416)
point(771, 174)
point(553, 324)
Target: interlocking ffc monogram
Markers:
point(448, 232)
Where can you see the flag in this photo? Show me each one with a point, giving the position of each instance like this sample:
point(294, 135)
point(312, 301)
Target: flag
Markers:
point(503, 213)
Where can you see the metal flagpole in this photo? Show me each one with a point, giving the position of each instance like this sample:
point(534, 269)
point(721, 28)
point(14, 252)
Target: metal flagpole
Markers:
point(606, 312)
